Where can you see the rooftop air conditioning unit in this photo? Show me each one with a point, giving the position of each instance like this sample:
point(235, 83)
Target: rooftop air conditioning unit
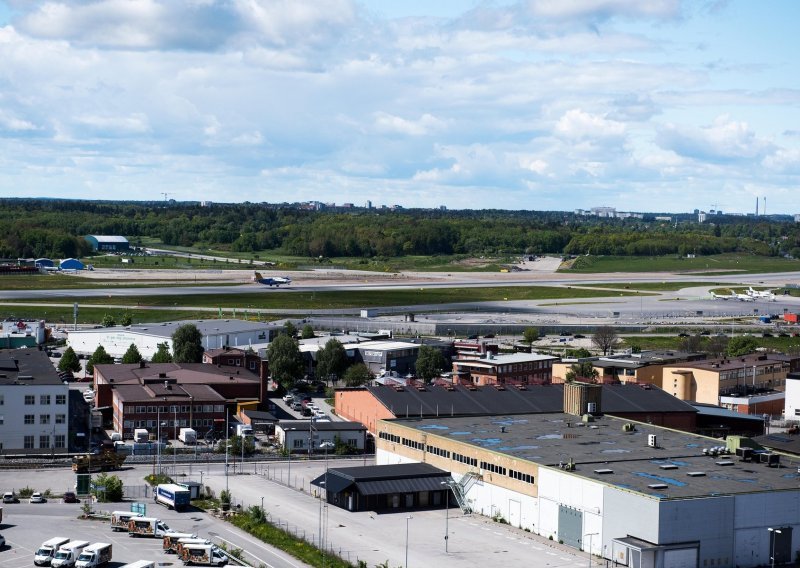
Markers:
point(591, 408)
point(652, 440)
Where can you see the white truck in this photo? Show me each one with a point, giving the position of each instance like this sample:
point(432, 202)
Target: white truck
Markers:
point(244, 430)
point(141, 436)
point(67, 554)
point(203, 555)
point(120, 519)
point(170, 545)
point(94, 555)
point(48, 549)
point(188, 436)
point(148, 527)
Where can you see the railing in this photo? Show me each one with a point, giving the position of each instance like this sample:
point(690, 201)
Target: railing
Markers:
point(461, 488)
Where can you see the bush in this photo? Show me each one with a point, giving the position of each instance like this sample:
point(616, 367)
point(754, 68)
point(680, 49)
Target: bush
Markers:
point(157, 479)
point(25, 492)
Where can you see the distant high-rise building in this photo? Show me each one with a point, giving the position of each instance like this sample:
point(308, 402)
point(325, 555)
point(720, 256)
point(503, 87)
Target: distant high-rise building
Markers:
point(701, 217)
point(604, 211)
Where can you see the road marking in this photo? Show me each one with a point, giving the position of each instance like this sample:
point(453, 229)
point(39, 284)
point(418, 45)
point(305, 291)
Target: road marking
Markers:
point(261, 545)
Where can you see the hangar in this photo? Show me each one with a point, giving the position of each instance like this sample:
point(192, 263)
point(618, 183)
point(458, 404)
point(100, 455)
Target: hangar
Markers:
point(105, 243)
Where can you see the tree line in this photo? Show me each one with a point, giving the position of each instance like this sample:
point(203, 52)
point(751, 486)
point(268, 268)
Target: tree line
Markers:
point(32, 228)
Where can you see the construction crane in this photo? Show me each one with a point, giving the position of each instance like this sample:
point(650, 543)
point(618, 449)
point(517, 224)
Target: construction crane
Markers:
point(165, 195)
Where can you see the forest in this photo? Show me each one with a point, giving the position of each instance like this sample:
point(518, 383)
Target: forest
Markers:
point(31, 228)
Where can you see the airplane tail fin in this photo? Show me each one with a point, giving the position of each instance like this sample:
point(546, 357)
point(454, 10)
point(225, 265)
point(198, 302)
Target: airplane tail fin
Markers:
point(258, 276)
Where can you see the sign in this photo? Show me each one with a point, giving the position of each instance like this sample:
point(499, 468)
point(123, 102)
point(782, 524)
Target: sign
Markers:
point(139, 508)
point(75, 310)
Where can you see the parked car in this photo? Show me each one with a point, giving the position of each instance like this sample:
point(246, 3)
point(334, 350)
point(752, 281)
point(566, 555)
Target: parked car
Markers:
point(70, 497)
point(2, 541)
point(297, 406)
point(10, 497)
point(37, 497)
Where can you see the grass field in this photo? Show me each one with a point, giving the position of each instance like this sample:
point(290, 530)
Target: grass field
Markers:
point(63, 315)
point(718, 264)
point(267, 299)
point(651, 286)
point(67, 282)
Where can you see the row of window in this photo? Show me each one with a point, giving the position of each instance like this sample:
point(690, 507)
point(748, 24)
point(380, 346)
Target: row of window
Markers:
point(486, 466)
point(59, 442)
point(300, 443)
point(30, 399)
point(181, 422)
point(43, 419)
point(199, 408)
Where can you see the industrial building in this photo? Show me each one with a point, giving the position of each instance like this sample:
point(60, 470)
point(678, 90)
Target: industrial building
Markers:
point(629, 492)
point(217, 334)
point(307, 436)
point(645, 367)
point(106, 243)
point(34, 404)
point(511, 369)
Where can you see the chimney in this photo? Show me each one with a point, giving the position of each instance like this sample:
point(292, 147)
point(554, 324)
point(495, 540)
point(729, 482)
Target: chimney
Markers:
point(142, 364)
point(578, 396)
point(166, 385)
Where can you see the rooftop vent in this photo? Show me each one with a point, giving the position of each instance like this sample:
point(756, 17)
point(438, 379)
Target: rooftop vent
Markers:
point(162, 375)
point(668, 466)
point(604, 471)
point(696, 473)
point(658, 486)
point(724, 462)
point(25, 377)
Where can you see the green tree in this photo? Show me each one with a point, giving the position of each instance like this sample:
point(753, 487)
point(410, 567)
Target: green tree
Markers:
point(132, 355)
point(579, 353)
point(162, 354)
point(605, 338)
point(717, 345)
point(331, 360)
point(308, 332)
point(187, 344)
point(290, 328)
point(99, 357)
point(113, 488)
point(285, 360)
point(69, 361)
point(108, 321)
point(530, 335)
point(126, 319)
point(357, 375)
point(235, 448)
point(430, 363)
point(741, 345)
point(578, 371)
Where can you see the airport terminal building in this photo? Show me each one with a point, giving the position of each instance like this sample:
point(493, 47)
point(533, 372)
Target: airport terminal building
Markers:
point(631, 492)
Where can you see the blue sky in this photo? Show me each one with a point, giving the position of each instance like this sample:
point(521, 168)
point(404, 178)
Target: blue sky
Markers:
point(661, 105)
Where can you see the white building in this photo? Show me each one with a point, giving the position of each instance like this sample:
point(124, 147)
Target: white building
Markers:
point(630, 492)
point(34, 404)
point(298, 436)
point(216, 333)
point(792, 397)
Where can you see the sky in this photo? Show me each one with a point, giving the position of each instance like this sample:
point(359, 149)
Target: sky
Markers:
point(654, 106)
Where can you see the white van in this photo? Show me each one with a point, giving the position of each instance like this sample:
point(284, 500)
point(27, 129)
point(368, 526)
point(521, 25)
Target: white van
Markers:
point(68, 553)
point(48, 549)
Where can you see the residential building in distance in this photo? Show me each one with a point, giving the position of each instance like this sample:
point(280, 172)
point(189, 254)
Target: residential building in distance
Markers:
point(516, 369)
point(34, 404)
point(298, 436)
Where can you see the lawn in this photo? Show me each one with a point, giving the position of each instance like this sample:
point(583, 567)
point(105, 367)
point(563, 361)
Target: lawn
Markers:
point(717, 264)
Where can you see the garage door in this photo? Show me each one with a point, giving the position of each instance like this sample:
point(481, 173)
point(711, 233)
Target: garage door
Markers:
point(681, 558)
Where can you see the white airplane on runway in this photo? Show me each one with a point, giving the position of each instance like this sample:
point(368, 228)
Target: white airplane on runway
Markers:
point(761, 295)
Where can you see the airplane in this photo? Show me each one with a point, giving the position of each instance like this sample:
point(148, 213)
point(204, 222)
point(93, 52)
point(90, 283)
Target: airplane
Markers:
point(766, 294)
point(271, 281)
point(744, 297)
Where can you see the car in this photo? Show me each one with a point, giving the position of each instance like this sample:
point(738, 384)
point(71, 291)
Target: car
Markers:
point(287, 398)
point(312, 406)
point(578, 336)
point(683, 334)
point(37, 497)
point(9, 497)
point(70, 497)
point(297, 406)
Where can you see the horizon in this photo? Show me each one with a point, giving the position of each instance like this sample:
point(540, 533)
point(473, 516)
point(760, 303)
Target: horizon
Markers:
point(510, 105)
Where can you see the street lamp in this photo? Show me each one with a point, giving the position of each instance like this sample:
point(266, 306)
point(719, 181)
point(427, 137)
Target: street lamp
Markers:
point(226, 449)
point(408, 518)
point(326, 445)
point(774, 538)
point(447, 515)
point(590, 535)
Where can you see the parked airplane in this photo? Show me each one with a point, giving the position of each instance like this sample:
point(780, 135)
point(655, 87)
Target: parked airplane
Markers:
point(733, 296)
point(765, 295)
point(271, 281)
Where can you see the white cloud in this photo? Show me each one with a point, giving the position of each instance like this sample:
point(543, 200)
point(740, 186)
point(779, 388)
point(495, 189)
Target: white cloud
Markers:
point(576, 124)
point(426, 124)
point(723, 140)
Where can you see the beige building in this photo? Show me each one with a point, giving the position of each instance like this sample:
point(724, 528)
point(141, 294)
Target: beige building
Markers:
point(646, 367)
point(706, 381)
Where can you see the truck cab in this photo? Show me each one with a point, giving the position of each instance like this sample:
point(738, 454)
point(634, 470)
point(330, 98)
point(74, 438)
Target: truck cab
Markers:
point(67, 554)
point(48, 549)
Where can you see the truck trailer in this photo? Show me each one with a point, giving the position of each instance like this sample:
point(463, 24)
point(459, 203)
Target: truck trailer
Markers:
point(120, 520)
point(172, 495)
point(67, 554)
point(203, 555)
point(170, 545)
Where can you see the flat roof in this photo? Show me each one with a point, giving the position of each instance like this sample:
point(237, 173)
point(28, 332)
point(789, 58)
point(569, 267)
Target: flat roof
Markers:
point(508, 359)
point(387, 345)
point(730, 363)
point(183, 373)
point(206, 327)
point(319, 426)
point(109, 238)
point(27, 367)
point(177, 393)
point(603, 452)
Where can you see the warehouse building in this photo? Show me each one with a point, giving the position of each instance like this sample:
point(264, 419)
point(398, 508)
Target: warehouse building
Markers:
point(217, 334)
point(104, 243)
point(629, 492)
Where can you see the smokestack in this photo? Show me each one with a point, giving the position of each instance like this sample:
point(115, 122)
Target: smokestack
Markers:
point(756, 206)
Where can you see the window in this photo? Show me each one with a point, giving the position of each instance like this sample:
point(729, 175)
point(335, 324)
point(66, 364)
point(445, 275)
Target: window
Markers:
point(44, 399)
point(61, 441)
point(61, 399)
point(2, 420)
point(28, 443)
point(252, 365)
point(298, 444)
point(61, 418)
point(30, 399)
point(44, 441)
point(30, 419)
point(44, 419)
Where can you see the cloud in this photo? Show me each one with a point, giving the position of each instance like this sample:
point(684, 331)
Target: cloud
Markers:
point(426, 124)
point(576, 124)
point(724, 140)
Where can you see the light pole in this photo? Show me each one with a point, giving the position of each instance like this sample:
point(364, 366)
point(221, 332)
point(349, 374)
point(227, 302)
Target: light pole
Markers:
point(774, 538)
point(262, 506)
point(326, 445)
point(158, 438)
point(408, 518)
point(447, 515)
point(174, 447)
point(226, 450)
point(590, 535)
